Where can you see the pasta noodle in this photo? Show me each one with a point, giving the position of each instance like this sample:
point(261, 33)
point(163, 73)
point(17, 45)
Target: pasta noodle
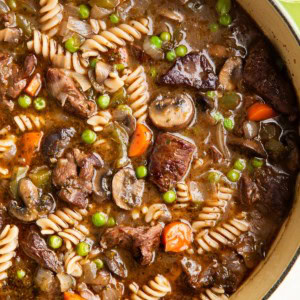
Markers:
point(214, 294)
point(156, 289)
point(8, 245)
point(59, 57)
point(51, 12)
point(209, 240)
point(183, 195)
point(99, 121)
point(66, 223)
point(72, 265)
point(213, 209)
point(113, 83)
point(97, 25)
point(155, 212)
point(114, 37)
point(29, 122)
point(138, 93)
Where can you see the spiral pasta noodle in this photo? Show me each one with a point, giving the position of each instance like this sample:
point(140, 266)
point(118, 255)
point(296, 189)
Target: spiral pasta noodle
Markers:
point(99, 121)
point(214, 293)
point(72, 265)
point(182, 195)
point(155, 212)
point(114, 82)
point(156, 289)
point(51, 12)
point(138, 93)
point(114, 37)
point(8, 245)
point(29, 122)
point(213, 209)
point(41, 44)
point(65, 222)
point(97, 25)
point(210, 240)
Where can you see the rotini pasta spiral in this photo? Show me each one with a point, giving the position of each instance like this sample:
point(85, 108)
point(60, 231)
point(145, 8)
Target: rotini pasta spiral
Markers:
point(51, 12)
point(157, 211)
point(72, 265)
point(59, 57)
point(213, 209)
point(114, 82)
point(114, 37)
point(183, 195)
point(29, 122)
point(214, 293)
point(97, 25)
point(65, 222)
point(8, 245)
point(138, 93)
point(156, 289)
point(210, 240)
point(99, 121)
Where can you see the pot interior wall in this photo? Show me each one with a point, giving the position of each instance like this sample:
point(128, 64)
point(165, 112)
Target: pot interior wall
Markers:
point(272, 270)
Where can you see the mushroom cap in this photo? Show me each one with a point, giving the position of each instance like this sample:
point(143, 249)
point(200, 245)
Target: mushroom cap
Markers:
point(172, 114)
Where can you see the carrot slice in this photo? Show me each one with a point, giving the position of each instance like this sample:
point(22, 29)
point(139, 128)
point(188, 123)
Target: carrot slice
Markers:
point(260, 111)
point(177, 237)
point(34, 85)
point(30, 144)
point(71, 296)
point(140, 141)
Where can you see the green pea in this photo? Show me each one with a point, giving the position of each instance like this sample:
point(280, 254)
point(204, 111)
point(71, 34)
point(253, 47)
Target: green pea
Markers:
point(181, 50)
point(83, 249)
point(111, 222)
point(257, 162)
point(171, 55)
point(12, 4)
point(103, 101)
point(24, 101)
point(153, 72)
point(99, 219)
point(55, 241)
point(89, 136)
point(156, 41)
point(214, 27)
point(21, 274)
point(240, 164)
point(99, 263)
point(223, 7)
point(228, 124)
point(93, 62)
point(213, 177)
point(72, 44)
point(169, 196)
point(39, 103)
point(114, 18)
point(165, 36)
point(119, 67)
point(84, 11)
point(225, 20)
point(233, 175)
point(211, 94)
point(141, 172)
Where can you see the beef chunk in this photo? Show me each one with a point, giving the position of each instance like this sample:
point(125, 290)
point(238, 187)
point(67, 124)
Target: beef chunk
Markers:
point(248, 190)
point(115, 263)
point(141, 240)
point(55, 143)
point(36, 248)
point(30, 64)
point(74, 186)
point(193, 70)
point(261, 74)
point(170, 160)
point(68, 96)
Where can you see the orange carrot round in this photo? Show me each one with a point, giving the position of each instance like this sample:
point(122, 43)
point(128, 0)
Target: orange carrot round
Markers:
point(177, 237)
point(30, 144)
point(141, 140)
point(260, 111)
point(71, 296)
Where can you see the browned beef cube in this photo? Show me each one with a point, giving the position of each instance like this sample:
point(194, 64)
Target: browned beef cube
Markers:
point(170, 160)
point(193, 70)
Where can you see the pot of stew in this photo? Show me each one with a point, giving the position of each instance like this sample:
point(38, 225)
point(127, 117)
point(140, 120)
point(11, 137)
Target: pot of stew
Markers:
point(148, 149)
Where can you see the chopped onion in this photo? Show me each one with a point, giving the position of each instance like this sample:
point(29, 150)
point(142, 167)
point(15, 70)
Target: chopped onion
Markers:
point(250, 129)
point(155, 53)
point(82, 80)
point(98, 87)
point(70, 10)
point(172, 15)
point(102, 71)
point(99, 12)
point(3, 7)
point(221, 140)
point(66, 281)
point(80, 27)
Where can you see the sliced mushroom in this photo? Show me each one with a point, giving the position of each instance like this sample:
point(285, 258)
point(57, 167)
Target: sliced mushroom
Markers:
point(252, 147)
point(102, 182)
point(221, 137)
point(172, 114)
point(127, 190)
point(231, 66)
point(115, 263)
point(102, 71)
point(172, 15)
point(125, 119)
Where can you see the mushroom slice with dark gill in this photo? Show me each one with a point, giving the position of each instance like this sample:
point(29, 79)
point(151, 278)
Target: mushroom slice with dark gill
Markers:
point(125, 118)
point(35, 206)
point(115, 263)
point(172, 114)
point(102, 182)
point(127, 190)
